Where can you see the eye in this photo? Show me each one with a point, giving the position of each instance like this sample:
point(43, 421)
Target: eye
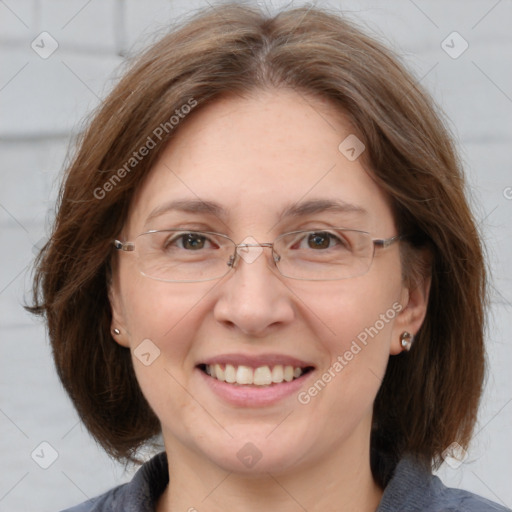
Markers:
point(189, 241)
point(319, 240)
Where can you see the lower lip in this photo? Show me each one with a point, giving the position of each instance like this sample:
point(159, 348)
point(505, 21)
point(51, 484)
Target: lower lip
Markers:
point(254, 396)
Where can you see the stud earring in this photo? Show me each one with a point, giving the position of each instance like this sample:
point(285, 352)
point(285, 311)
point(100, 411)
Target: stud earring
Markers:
point(116, 331)
point(406, 339)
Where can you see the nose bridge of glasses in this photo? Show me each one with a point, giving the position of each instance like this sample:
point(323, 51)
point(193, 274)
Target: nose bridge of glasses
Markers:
point(250, 251)
point(263, 244)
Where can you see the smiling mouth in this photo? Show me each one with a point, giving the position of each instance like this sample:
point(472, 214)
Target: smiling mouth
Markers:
point(247, 376)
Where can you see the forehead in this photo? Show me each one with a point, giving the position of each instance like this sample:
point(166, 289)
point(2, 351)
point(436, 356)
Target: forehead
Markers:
point(257, 156)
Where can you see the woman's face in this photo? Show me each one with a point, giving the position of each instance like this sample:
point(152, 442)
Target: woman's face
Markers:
point(255, 158)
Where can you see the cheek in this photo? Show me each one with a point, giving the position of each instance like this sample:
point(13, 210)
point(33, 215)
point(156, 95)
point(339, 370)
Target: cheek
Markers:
point(163, 312)
point(163, 321)
point(360, 310)
point(353, 321)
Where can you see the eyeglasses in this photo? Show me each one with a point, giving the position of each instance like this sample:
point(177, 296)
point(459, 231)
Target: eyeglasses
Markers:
point(182, 256)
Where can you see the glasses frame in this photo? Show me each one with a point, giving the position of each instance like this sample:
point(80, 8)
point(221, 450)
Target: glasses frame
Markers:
point(382, 243)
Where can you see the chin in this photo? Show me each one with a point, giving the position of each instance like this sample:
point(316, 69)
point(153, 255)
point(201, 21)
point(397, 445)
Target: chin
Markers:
point(253, 452)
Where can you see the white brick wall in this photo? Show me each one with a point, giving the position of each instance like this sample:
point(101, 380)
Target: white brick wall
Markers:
point(41, 104)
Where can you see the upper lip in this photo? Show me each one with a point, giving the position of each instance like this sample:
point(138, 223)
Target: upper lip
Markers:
point(255, 361)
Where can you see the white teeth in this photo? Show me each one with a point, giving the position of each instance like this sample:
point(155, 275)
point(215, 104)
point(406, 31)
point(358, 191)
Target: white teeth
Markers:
point(288, 373)
point(244, 375)
point(230, 374)
point(261, 376)
point(219, 372)
point(277, 374)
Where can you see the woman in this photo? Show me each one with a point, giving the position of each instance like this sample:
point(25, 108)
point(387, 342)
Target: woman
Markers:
point(263, 253)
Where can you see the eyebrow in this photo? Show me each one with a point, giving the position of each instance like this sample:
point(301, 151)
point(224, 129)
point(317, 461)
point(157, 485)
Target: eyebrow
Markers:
point(304, 208)
point(189, 206)
point(299, 209)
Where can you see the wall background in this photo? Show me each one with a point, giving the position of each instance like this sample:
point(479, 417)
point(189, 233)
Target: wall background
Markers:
point(42, 100)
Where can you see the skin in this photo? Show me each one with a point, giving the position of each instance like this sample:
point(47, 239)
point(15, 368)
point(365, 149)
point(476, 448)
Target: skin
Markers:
point(254, 155)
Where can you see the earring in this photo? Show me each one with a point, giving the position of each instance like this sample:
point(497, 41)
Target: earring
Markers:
point(116, 331)
point(406, 339)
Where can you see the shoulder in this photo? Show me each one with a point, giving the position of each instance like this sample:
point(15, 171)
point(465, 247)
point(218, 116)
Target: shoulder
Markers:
point(465, 501)
point(104, 503)
point(139, 495)
point(413, 488)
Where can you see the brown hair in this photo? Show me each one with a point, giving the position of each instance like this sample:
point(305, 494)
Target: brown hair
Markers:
point(429, 396)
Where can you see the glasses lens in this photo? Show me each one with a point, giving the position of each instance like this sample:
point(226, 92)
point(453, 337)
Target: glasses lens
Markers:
point(184, 256)
point(325, 254)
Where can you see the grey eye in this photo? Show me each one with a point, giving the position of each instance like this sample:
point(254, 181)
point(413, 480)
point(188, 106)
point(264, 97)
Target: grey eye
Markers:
point(188, 241)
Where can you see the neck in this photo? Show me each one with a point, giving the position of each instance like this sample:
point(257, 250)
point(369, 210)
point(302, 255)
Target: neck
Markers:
point(342, 482)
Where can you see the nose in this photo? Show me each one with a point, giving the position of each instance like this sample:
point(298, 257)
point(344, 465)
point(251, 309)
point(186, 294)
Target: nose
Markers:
point(253, 298)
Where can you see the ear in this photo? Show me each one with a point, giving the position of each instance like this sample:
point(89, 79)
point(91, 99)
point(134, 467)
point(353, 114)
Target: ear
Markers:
point(118, 313)
point(414, 301)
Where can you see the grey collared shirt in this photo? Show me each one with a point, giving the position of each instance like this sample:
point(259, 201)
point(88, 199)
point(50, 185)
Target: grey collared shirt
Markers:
point(412, 488)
